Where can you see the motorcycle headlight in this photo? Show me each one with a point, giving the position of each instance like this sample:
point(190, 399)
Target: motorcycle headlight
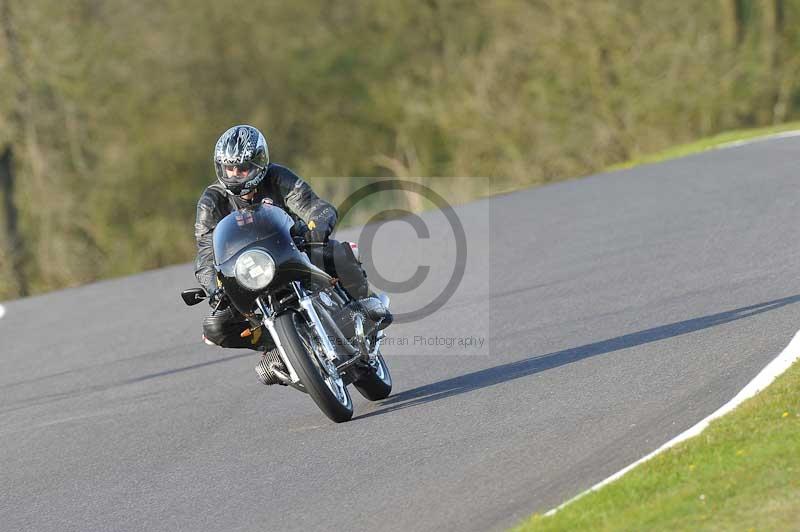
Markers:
point(254, 269)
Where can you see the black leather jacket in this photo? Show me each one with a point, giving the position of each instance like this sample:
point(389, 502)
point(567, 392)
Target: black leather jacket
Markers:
point(281, 185)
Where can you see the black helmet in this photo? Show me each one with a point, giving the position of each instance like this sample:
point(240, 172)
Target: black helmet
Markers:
point(241, 158)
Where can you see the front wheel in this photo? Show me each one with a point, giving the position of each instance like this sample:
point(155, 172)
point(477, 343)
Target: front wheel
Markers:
point(376, 383)
point(319, 377)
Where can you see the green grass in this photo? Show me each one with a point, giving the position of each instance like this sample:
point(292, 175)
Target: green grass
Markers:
point(706, 144)
point(742, 473)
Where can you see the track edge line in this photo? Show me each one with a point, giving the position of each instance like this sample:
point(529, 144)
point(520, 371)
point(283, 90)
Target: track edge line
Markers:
point(752, 140)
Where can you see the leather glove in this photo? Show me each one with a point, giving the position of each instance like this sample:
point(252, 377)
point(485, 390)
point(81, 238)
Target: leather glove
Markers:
point(317, 234)
point(215, 296)
point(298, 229)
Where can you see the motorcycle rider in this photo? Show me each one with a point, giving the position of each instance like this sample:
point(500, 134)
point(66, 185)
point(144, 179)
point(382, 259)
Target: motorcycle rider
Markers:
point(245, 176)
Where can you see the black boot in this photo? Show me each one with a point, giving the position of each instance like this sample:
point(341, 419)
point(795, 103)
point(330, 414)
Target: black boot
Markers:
point(376, 308)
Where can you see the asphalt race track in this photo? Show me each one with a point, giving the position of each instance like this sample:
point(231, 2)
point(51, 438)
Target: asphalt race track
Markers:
point(615, 312)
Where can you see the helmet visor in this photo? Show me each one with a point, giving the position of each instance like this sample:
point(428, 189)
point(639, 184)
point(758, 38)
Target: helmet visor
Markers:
point(239, 174)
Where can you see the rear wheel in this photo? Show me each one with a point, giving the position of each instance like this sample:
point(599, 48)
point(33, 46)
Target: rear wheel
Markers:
point(318, 375)
point(376, 383)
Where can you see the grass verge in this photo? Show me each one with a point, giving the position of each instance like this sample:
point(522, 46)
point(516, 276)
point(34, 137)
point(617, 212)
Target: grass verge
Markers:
point(742, 473)
point(706, 144)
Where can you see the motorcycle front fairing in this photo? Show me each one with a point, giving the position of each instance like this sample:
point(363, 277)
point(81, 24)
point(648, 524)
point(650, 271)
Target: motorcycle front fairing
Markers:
point(267, 228)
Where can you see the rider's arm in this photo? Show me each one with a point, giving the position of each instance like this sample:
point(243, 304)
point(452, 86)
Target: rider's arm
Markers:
point(301, 200)
point(208, 215)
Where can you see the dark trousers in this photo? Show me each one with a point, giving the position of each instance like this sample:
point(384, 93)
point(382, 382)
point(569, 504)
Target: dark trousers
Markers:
point(224, 328)
point(338, 260)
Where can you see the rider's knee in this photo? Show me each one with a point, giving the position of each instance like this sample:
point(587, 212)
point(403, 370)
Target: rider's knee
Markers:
point(224, 329)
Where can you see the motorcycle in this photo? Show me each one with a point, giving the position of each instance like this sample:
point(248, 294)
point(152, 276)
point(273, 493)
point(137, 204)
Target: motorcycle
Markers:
point(320, 338)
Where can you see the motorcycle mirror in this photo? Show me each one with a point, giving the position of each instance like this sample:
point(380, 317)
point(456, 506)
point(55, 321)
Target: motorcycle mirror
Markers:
point(193, 296)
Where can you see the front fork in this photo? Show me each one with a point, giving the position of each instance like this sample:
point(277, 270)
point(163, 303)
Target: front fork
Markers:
point(269, 321)
point(310, 314)
point(313, 319)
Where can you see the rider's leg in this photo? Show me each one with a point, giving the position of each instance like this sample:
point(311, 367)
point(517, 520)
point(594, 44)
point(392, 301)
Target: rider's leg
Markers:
point(339, 260)
point(225, 327)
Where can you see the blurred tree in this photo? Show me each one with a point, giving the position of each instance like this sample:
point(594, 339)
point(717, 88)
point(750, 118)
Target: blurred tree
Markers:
point(112, 108)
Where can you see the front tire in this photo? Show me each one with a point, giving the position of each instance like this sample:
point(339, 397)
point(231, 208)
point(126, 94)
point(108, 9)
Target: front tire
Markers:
point(376, 383)
point(304, 354)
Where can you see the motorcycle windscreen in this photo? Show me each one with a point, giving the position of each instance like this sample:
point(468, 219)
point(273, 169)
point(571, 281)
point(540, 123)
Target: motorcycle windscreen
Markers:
point(248, 225)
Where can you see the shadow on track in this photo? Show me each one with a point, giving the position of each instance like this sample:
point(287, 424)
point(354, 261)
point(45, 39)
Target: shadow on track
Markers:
point(186, 368)
point(47, 398)
point(529, 366)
